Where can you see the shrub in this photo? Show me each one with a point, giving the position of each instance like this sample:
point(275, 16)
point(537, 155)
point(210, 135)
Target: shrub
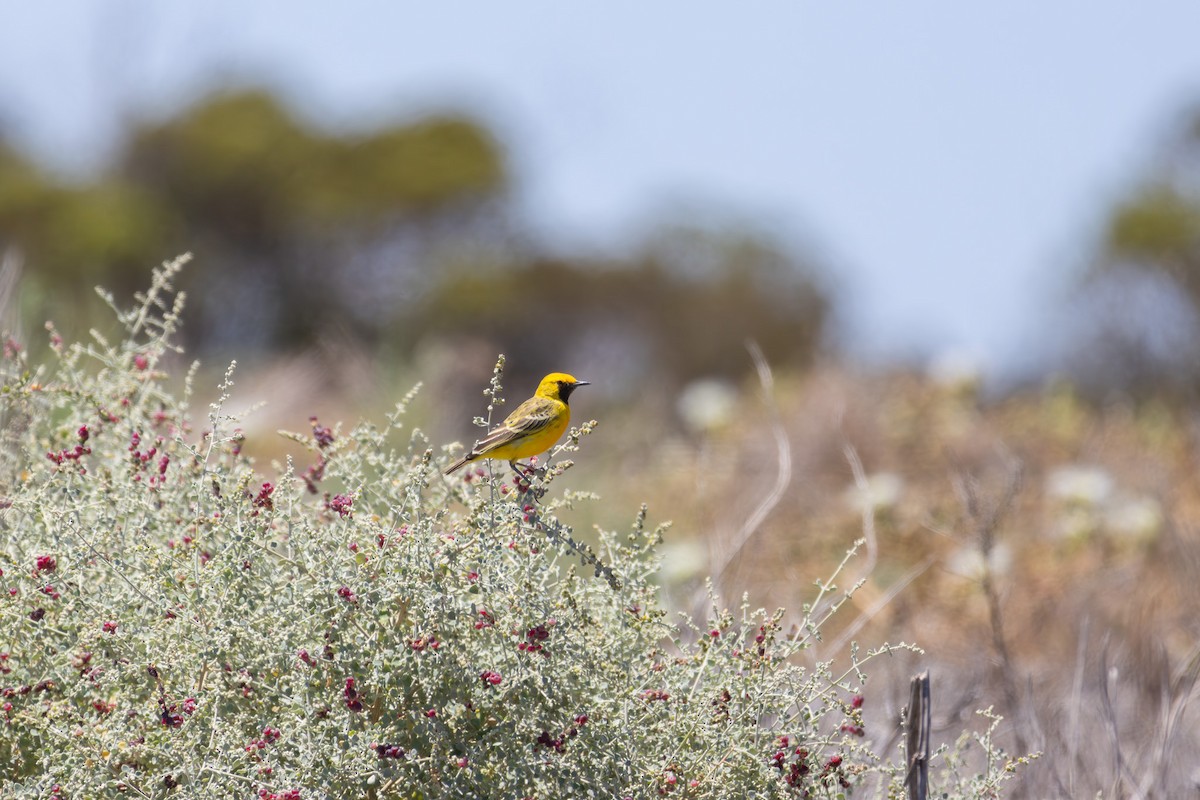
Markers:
point(173, 622)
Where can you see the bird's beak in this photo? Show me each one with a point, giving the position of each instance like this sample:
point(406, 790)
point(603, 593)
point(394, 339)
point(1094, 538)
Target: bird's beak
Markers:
point(583, 383)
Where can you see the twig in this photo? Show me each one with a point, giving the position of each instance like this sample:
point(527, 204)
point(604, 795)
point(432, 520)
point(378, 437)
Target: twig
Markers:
point(880, 604)
point(1121, 771)
point(1176, 695)
point(783, 476)
point(986, 522)
point(868, 510)
point(1076, 706)
point(10, 278)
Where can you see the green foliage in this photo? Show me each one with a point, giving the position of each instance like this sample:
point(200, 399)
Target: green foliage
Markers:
point(96, 232)
point(109, 224)
point(1158, 226)
point(243, 168)
point(271, 202)
point(683, 307)
point(176, 624)
point(393, 235)
point(1141, 293)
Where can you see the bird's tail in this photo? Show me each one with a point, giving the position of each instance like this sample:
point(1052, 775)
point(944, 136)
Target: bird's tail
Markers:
point(457, 465)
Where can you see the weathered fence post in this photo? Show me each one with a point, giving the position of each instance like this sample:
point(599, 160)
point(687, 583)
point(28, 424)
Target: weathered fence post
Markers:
point(916, 739)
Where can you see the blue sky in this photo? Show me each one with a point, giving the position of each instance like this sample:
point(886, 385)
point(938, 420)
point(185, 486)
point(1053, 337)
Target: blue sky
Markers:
point(950, 160)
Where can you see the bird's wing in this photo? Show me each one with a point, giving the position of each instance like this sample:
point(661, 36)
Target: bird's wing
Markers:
point(528, 418)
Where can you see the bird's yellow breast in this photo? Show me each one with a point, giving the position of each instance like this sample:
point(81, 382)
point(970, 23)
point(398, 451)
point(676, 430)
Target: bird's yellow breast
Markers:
point(537, 442)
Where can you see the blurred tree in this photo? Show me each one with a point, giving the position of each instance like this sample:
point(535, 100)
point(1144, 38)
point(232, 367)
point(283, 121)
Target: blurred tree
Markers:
point(291, 225)
point(74, 237)
point(681, 308)
point(288, 223)
point(1142, 291)
point(401, 236)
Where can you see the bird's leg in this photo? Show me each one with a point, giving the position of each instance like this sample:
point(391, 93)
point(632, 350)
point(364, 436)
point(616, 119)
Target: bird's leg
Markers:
point(524, 475)
point(521, 476)
point(540, 474)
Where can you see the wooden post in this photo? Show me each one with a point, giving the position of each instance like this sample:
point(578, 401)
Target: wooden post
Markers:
point(916, 738)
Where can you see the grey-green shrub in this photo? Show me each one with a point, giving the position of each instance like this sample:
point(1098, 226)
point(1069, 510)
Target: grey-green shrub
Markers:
point(174, 623)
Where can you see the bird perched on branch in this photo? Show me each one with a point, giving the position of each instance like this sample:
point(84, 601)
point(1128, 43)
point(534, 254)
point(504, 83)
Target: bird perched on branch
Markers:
point(533, 427)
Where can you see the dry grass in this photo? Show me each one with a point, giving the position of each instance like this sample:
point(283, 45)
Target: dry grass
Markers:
point(1046, 554)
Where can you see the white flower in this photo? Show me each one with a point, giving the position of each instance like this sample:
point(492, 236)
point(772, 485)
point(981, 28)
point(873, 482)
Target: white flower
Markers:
point(883, 491)
point(1137, 518)
point(1076, 523)
point(683, 561)
point(1085, 485)
point(957, 370)
point(968, 561)
point(706, 405)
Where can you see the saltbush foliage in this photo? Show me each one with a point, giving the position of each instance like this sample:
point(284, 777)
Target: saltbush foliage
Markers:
point(176, 623)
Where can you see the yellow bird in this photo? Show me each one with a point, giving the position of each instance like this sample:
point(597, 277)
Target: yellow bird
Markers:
point(533, 427)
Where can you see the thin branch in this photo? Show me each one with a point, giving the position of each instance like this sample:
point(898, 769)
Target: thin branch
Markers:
point(985, 522)
point(783, 476)
point(1076, 706)
point(881, 603)
point(868, 510)
point(1121, 771)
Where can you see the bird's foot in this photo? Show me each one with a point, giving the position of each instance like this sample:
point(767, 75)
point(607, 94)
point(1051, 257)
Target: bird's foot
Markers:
point(524, 476)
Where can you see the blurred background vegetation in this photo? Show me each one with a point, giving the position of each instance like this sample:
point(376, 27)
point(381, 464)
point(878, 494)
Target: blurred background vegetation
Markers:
point(404, 238)
point(394, 239)
point(1021, 531)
